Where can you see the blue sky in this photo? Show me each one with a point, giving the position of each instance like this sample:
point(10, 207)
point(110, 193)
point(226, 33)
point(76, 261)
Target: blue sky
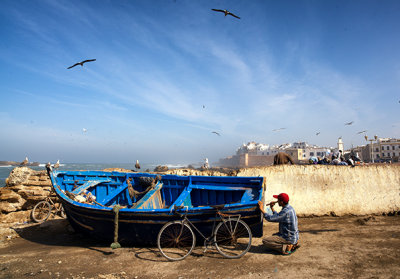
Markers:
point(169, 73)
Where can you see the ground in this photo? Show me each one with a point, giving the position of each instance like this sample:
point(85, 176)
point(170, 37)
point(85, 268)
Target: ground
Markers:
point(333, 247)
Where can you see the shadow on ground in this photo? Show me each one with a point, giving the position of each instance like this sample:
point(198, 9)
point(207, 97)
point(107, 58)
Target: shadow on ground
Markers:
point(56, 232)
point(317, 231)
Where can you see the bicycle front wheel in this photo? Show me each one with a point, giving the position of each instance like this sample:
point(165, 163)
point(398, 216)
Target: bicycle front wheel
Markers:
point(41, 211)
point(176, 240)
point(232, 238)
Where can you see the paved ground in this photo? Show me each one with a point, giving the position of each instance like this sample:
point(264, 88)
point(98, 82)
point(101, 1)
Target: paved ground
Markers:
point(332, 247)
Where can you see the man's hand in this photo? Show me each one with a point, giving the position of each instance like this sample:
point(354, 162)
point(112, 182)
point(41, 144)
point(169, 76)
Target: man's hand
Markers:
point(271, 205)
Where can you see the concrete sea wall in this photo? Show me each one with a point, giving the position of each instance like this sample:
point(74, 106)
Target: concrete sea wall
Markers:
point(337, 190)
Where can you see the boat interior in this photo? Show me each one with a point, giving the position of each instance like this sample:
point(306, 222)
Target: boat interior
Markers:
point(150, 191)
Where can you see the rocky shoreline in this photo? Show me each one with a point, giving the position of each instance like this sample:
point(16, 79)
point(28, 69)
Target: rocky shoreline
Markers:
point(13, 163)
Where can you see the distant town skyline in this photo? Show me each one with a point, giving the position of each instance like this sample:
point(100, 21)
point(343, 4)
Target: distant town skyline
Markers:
point(171, 87)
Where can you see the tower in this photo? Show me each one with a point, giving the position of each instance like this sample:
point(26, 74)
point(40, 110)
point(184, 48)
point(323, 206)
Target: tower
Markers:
point(340, 144)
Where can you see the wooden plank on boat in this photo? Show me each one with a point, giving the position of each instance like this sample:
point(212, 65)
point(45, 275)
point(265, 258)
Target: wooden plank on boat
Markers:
point(89, 184)
point(183, 199)
point(152, 199)
point(114, 193)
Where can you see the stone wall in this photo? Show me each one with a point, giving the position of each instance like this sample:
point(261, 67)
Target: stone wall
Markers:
point(24, 188)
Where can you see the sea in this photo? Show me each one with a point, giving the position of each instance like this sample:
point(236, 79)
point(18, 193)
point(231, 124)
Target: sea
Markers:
point(5, 170)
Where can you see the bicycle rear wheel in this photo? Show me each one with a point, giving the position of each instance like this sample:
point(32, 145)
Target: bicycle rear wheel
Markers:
point(41, 211)
point(176, 240)
point(232, 238)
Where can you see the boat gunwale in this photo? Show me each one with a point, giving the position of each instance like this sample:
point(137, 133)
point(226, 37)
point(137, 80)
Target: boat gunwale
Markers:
point(167, 211)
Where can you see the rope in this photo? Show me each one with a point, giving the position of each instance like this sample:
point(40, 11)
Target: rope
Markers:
point(115, 244)
point(135, 194)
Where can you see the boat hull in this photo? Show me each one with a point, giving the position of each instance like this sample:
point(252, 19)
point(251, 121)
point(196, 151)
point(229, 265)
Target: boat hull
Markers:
point(142, 229)
point(139, 223)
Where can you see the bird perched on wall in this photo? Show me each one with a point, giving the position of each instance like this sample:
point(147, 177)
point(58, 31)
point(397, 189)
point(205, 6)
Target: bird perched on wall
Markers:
point(216, 133)
point(137, 166)
point(24, 162)
point(57, 165)
point(81, 63)
point(349, 123)
point(225, 12)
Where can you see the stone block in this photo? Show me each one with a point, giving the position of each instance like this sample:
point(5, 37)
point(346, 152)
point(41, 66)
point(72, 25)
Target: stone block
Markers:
point(6, 207)
point(33, 178)
point(7, 195)
point(15, 188)
point(44, 178)
point(19, 175)
point(31, 192)
point(16, 217)
point(45, 183)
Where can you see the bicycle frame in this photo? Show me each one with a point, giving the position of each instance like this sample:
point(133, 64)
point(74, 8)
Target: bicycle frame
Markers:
point(217, 214)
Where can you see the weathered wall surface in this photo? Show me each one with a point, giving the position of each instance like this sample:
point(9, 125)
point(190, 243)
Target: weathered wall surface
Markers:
point(323, 189)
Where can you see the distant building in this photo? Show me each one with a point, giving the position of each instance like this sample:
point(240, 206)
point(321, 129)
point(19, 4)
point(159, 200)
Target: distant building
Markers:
point(257, 154)
point(383, 150)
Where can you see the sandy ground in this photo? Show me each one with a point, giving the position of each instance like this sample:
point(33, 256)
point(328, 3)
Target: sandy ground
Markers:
point(332, 247)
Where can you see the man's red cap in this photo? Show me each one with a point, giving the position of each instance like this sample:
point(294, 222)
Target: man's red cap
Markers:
point(282, 197)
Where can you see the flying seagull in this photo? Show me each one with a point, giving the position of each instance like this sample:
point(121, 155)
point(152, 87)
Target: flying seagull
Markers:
point(225, 12)
point(24, 162)
point(362, 132)
point(84, 130)
point(276, 130)
point(137, 166)
point(318, 133)
point(349, 123)
point(81, 63)
point(216, 133)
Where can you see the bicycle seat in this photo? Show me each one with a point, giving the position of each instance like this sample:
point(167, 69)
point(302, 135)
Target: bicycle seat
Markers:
point(218, 206)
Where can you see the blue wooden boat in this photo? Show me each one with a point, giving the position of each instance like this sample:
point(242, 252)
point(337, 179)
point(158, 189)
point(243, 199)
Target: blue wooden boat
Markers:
point(146, 201)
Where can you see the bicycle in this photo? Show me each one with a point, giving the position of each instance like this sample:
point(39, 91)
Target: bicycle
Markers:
point(42, 210)
point(231, 236)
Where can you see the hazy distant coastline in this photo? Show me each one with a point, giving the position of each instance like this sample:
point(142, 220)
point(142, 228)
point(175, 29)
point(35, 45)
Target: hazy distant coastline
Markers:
point(13, 163)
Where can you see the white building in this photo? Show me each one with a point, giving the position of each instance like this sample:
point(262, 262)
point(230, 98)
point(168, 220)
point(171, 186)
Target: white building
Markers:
point(298, 150)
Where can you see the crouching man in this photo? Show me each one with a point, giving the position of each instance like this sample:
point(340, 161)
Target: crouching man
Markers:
point(286, 240)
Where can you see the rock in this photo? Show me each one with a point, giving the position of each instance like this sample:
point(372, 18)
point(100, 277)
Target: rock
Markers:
point(8, 195)
point(18, 176)
point(16, 216)
point(160, 168)
point(10, 201)
point(32, 192)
